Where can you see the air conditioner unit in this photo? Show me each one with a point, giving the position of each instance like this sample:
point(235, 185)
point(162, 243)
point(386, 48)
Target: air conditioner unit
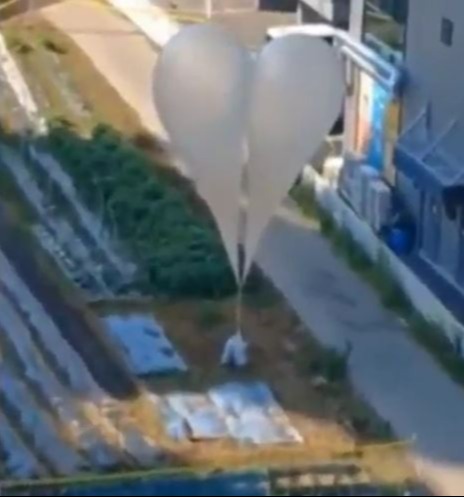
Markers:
point(380, 198)
point(332, 170)
point(349, 176)
point(367, 175)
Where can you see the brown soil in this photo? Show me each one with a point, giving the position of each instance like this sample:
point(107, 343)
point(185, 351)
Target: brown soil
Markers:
point(281, 349)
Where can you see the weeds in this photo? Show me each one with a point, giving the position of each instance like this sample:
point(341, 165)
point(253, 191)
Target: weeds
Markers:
point(53, 46)
point(209, 315)
point(19, 46)
point(329, 364)
point(449, 354)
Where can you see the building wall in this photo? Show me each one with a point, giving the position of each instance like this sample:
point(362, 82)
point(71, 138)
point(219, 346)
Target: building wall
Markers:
point(436, 81)
point(280, 5)
point(434, 69)
point(336, 12)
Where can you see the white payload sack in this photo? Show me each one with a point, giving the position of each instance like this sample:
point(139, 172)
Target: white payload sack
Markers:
point(235, 353)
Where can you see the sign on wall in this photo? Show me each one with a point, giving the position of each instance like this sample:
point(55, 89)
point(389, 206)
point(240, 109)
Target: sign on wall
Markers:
point(377, 124)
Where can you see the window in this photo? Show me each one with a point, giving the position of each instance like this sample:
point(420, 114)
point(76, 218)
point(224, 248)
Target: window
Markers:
point(385, 26)
point(447, 31)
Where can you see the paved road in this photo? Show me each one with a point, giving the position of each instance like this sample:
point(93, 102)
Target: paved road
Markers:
point(394, 374)
point(116, 48)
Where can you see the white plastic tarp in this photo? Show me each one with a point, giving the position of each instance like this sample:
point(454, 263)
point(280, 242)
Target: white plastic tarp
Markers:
point(245, 412)
point(144, 344)
point(199, 413)
point(253, 415)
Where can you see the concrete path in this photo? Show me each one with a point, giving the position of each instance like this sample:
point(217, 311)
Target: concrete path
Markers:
point(392, 372)
point(398, 378)
point(117, 49)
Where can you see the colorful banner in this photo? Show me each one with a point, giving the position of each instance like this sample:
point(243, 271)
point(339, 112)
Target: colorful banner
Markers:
point(377, 124)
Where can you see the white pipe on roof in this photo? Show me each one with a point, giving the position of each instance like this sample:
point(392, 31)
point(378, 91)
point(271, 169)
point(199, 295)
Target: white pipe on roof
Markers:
point(364, 57)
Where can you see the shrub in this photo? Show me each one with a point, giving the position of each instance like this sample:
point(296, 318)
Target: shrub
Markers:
point(180, 250)
point(53, 46)
point(305, 198)
point(434, 339)
point(330, 364)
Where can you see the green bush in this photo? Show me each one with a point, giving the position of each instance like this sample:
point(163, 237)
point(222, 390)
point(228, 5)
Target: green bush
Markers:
point(305, 197)
point(180, 251)
point(330, 364)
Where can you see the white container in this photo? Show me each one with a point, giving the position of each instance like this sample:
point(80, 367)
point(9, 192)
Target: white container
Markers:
point(379, 204)
point(367, 175)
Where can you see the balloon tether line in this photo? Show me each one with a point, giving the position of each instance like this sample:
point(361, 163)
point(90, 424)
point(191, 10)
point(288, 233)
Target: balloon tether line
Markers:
point(238, 309)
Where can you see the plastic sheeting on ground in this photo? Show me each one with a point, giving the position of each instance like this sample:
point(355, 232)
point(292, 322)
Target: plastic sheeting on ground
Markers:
point(37, 373)
point(144, 344)
point(39, 426)
point(50, 336)
point(245, 412)
point(18, 460)
point(198, 413)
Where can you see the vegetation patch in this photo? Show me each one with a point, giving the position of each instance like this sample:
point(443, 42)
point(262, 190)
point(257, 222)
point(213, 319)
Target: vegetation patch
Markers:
point(179, 250)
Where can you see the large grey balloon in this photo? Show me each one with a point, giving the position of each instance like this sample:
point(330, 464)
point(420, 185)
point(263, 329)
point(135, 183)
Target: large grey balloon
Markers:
point(201, 90)
point(297, 96)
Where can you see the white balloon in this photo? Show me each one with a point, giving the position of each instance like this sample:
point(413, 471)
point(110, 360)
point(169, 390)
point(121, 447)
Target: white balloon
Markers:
point(297, 96)
point(201, 90)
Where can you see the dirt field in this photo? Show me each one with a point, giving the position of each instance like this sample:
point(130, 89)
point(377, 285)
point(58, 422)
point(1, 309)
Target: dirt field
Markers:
point(332, 420)
point(328, 414)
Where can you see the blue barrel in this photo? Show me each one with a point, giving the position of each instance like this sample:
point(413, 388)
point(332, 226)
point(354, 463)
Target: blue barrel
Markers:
point(400, 240)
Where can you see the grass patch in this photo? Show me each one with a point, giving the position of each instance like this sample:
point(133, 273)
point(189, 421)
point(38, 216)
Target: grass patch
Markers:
point(209, 315)
point(447, 353)
point(18, 45)
point(41, 50)
point(305, 198)
point(329, 364)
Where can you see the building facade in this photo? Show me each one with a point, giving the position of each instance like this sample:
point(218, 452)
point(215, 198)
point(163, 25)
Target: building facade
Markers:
point(416, 138)
point(337, 12)
point(430, 152)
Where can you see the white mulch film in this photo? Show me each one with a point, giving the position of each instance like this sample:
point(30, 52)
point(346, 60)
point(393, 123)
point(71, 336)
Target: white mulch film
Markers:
point(245, 412)
point(142, 448)
point(56, 234)
point(38, 425)
point(144, 344)
point(199, 414)
point(18, 461)
point(68, 359)
point(37, 422)
point(37, 373)
point(88, 220)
